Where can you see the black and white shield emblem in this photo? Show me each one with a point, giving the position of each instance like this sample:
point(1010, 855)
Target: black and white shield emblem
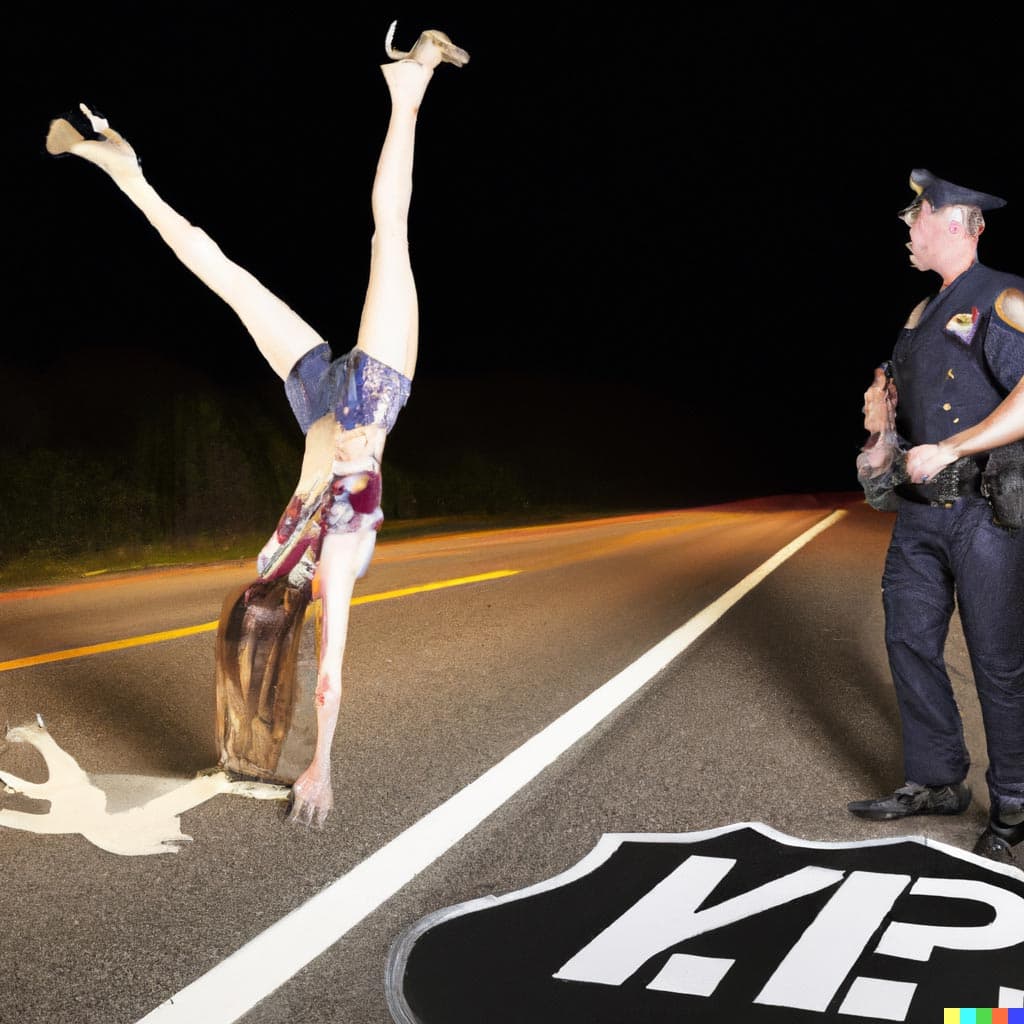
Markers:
point(737, 923)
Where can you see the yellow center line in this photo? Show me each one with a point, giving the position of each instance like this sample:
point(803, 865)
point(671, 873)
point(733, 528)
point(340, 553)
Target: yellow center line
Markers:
point(209, 627)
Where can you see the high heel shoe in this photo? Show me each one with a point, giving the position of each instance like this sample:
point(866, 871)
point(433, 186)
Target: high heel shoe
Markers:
point(67, 131)
point(88, 135)
point(62, 136)
point(432, 48)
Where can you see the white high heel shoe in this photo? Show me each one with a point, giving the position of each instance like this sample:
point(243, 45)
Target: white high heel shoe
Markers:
point(432, 48)
point(107, 148)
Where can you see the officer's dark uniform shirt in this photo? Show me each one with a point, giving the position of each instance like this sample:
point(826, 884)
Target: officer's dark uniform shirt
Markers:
point(960, 360)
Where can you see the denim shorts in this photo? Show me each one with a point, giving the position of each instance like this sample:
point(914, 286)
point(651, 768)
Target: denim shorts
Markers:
point(357, 388)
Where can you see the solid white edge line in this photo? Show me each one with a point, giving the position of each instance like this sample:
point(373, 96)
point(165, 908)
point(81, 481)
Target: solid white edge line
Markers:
point(262, 965)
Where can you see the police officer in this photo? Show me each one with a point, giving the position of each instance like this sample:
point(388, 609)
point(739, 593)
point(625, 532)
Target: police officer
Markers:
point(959, 355)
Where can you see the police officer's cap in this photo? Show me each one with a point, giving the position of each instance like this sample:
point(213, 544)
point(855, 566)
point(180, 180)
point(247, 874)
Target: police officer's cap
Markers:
point(941, 193)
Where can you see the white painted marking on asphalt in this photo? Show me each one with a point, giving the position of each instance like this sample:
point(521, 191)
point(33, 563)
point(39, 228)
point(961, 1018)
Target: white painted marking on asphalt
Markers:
point(130, 815)
point(238, 983)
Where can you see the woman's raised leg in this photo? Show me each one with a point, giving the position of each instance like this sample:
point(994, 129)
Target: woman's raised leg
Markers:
point(281, 335)
point(388, 332)
point(389, 327)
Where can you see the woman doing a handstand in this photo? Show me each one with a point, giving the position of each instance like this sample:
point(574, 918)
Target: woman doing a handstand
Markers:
point(345, 406)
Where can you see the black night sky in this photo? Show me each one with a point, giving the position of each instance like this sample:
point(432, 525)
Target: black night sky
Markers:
point(658, 251)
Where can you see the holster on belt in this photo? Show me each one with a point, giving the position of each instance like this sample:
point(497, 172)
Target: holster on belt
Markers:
point(1002, 483)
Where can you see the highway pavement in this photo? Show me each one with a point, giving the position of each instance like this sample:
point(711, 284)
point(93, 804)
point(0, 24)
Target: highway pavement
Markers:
point(772, 705)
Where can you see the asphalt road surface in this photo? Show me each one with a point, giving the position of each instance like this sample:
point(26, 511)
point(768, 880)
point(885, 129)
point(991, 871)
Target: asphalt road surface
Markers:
point(776, 707)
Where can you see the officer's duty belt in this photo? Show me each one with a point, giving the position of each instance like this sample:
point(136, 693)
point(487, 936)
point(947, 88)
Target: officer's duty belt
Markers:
point(947, 488)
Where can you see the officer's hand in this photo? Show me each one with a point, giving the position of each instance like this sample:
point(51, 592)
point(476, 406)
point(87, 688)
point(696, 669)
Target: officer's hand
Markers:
point(926, 460)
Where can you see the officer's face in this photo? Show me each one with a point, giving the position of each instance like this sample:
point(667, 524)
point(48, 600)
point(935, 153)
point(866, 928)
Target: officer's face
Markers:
point(928, 235)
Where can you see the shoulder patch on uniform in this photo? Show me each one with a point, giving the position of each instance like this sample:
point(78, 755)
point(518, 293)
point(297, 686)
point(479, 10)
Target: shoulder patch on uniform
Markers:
point(1010, 307)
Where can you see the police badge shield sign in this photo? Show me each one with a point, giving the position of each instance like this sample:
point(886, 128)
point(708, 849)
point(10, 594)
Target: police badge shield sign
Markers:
point(740, 923)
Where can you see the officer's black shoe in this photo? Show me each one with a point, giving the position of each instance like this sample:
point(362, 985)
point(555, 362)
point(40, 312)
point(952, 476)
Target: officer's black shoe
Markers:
point(996, 842)
point(914, 799)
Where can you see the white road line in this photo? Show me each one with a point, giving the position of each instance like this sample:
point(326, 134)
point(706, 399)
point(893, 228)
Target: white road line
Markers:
point(261, 966)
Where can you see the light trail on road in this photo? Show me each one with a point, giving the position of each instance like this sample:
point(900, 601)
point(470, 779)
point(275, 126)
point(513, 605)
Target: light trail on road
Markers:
point(209, 627)
point(234, 986)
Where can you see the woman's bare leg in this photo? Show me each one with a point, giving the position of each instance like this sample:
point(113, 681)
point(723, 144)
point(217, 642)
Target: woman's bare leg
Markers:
point(281, 335)
point(389, 327)
point(388, 332)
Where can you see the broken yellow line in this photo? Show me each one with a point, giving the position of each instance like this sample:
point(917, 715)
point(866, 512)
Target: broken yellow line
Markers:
point(209, 627)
